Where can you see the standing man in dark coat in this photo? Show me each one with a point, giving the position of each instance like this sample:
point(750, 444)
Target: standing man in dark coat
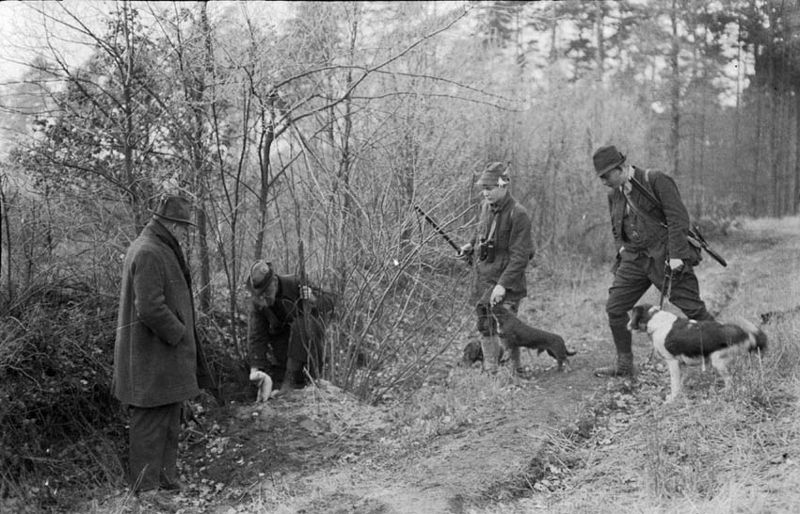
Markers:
point(649, 238)
point(504, 248)
point(158, 363)
point(286, 328)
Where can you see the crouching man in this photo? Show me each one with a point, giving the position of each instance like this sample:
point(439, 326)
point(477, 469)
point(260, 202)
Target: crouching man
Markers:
point(286, 329)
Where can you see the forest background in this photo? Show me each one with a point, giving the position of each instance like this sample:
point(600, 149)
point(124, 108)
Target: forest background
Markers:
point(327, 123)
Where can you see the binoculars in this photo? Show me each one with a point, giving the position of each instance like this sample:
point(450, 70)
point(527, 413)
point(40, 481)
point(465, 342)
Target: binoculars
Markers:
point(486, 250)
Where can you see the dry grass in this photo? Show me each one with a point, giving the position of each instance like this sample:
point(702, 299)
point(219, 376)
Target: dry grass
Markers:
point(714, 451)
point(622, 451)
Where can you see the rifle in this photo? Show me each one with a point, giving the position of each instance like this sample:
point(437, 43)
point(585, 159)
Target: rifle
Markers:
point(694, 236)
point(697, 239)
point(442, 233)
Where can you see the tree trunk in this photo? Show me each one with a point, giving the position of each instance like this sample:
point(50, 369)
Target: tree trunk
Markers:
point(199, 164)
point(265, 145)
point(796, 190)
point(674, 140)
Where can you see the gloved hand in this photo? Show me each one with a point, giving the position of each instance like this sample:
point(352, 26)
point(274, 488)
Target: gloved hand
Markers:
point(498, 293)
point(465, 251)
point(263, 382)
point(675, 264)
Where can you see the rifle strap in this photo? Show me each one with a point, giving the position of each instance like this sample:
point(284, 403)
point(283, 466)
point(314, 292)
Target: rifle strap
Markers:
point(650, 196)
point(639, 211)
point(492, 227)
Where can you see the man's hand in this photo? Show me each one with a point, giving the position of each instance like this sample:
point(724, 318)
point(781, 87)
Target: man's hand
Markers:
point(675, 264)
point(465, 251)
point(498, 293)
point(307, 294)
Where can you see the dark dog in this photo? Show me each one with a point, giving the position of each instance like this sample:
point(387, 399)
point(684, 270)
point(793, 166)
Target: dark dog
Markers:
point(516, 334)
point(682, 341)
point(473, 353)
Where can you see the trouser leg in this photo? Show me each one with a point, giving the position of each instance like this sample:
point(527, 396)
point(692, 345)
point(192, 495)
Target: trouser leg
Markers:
point(513, 351)
point(279, 346)
point(153, 444)
point(170, 459)
point(631, 281)
point(293, 370)
point(306, 345)
point(685, 295)
point(490, 345)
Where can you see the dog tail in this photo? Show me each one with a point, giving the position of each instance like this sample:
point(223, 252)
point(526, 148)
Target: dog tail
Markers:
point(758, 339)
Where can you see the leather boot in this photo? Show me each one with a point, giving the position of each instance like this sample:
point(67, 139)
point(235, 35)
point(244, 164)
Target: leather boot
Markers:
point(491, 353)
point(622, 367)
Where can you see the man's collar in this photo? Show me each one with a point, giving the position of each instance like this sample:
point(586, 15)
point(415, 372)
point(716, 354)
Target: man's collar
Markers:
point(501, 203)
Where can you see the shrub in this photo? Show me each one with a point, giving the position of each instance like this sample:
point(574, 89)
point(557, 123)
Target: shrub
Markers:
point(61, 425)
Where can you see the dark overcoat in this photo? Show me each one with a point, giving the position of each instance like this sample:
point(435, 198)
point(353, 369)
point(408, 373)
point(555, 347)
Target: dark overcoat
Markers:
point(513, 249)
point(155, 354)
point(271, 328)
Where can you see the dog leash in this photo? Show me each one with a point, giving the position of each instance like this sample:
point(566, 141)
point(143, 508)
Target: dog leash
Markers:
point(666, 286)
point(496, 322)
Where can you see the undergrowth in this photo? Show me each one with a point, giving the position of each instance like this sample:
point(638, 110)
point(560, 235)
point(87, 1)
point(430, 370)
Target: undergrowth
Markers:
point(61, 426)
point(63, 430)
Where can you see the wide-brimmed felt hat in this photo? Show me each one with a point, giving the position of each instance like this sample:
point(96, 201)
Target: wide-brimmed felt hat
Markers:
point(494, 174)
point(606, 159)
point(260, 275)
point(175, 208)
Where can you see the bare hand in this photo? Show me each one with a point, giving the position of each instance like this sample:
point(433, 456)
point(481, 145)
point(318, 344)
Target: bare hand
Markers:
point(307, 294)
point(675, 264)
point(498, 293)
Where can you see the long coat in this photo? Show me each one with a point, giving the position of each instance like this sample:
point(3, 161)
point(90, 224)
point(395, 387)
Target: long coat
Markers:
point(155, 354)
point(513, 249)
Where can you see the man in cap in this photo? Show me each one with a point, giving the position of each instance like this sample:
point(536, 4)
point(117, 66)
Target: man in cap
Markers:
point(650, 225)
point(503, 246)
point(286, 329)
point(158, 362)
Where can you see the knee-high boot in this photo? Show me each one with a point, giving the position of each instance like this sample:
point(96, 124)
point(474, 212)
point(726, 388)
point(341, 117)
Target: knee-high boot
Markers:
point(491, 353)
point(623, 364)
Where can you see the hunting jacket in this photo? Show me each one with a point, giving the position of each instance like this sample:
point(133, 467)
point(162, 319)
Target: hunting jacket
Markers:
point(654, 239)
point(268, 325)
point(513, 248)
point(155, 353)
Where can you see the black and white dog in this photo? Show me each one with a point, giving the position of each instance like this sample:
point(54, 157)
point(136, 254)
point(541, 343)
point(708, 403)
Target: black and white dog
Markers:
point(682, 341)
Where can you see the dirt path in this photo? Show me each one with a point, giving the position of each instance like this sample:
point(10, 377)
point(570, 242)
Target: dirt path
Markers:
point(474, 440)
